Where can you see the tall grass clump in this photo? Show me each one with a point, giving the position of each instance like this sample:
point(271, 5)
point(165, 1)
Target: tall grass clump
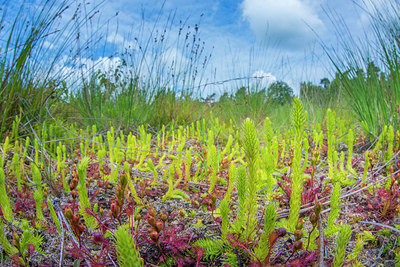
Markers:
point(370, 67)
point(156, 80)
point(33, 40)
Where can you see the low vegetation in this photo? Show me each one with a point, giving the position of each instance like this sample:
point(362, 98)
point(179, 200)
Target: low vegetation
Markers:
point(126, 171)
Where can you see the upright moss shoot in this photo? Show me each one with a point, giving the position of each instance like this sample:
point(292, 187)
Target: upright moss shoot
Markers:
point(83, 193)
point(128, 255)
point(298, 122)
point(4, 199)
point(342, 242)
point(251, 151)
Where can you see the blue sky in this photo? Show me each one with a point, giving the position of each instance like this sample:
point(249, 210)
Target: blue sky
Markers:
point(275, 39)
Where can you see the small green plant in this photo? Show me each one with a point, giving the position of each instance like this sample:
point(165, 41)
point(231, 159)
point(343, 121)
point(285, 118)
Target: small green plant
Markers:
point(224, 209)
point(358, 247)
point(130, 183)
point(343, 239)
point(172, 192)
point(6, 147)
point(153, 169)
point(251, 151)
point(4, 199)
point(331, 124)
point(389, 153)
point(350, 140)
point(298, 121)
point(9, 249)
point(212, 247)
point(241, 192)
point(16, 165)
point(83, 193)
point(128, 255)
point(335, 209)
point(213, 163)
point(264, 246)
point(53, 215)
point(22, 243)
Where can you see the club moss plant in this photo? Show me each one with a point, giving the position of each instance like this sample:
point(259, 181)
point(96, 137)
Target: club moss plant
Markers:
point(380, 143)
point(8, 248)
point(227, 149)
point(350, 139)
point(331, 141)
point(16, 165)
point(342, 241)
point(224, 209)
point(53, 215)
point(4, 199)
point(128, 255)
point(172, 192)
point(335, 209)
point(130, 183)
point(241, 187)
point(357, 248)
point(188, 165)
point(212, 248)
point(61, 168)
point(83, 193)
point(267, 170)
point(213, 163)
point(6, 147)
point(38, 194)
point(388, 156)
point(264, 246)
point(298, 121)
point(153, 169)
point(251, 148)
point(26, 243)
point(269, 153)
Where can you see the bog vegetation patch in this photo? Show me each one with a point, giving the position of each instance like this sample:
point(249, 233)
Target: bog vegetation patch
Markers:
point(207, 194)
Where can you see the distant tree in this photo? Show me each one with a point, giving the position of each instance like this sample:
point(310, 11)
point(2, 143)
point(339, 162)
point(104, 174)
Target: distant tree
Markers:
point(260, 94)
point(310, 91)
point(335, 88)
point(325, 92)
point(224, 98)
point(325, 83)
point(280, 92)
point(240, 94)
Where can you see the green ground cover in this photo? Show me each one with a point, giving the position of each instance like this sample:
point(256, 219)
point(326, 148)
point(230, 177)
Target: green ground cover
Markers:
point(130, 172)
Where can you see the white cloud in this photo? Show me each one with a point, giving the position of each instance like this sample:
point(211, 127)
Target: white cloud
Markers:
point(260, 74)
point(115, 38)
point(263, 79)
point(120, 42)
point(284, 21)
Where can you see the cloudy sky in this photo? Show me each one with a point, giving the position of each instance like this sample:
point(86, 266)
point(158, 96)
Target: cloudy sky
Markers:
point(275, 39)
